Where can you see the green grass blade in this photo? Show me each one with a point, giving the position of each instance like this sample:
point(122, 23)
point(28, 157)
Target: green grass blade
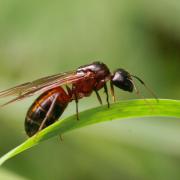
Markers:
point(120, 110)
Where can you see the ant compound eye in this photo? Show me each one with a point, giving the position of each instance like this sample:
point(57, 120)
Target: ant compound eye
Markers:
point(122, 80)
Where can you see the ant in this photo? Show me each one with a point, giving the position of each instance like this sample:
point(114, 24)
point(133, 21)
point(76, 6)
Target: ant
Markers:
point(50, 105)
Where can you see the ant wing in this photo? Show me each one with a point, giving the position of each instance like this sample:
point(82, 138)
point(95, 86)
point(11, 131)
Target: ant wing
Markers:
point(40, 85)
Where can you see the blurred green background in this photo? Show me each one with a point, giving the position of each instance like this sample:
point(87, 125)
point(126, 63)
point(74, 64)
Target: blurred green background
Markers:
point(40, 38)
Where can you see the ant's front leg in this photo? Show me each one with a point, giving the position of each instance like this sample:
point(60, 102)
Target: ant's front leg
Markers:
point(107, 95)
point(112, 92)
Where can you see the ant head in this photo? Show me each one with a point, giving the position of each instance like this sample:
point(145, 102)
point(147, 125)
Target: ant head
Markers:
point(122, 79)
point(125, 81)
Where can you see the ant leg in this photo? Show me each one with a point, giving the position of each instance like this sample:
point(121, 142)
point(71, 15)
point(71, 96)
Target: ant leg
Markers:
point(69, 91)
point(77, 112)
point(112, 91)
point(73, 93)
point(98, 96)
point(48, 114)
point(107, 95)
point(61, 137)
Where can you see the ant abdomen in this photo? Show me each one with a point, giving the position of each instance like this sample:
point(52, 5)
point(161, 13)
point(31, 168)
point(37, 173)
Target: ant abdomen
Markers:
point(50, 105)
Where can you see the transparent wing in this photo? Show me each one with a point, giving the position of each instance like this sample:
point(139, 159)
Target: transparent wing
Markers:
point(40, 85)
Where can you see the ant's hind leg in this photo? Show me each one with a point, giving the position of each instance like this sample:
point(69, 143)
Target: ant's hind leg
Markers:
point(73, 93)
point(98, 97)
point(61, 137)
point(107, 95)
point(48, 114)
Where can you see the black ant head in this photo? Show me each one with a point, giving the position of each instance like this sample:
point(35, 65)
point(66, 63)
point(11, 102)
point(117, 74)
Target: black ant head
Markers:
point(125, 81)
point(122, 79)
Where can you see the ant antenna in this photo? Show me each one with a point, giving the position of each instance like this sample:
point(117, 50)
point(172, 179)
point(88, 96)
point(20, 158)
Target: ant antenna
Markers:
point(148, 89)
point(138, 93)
